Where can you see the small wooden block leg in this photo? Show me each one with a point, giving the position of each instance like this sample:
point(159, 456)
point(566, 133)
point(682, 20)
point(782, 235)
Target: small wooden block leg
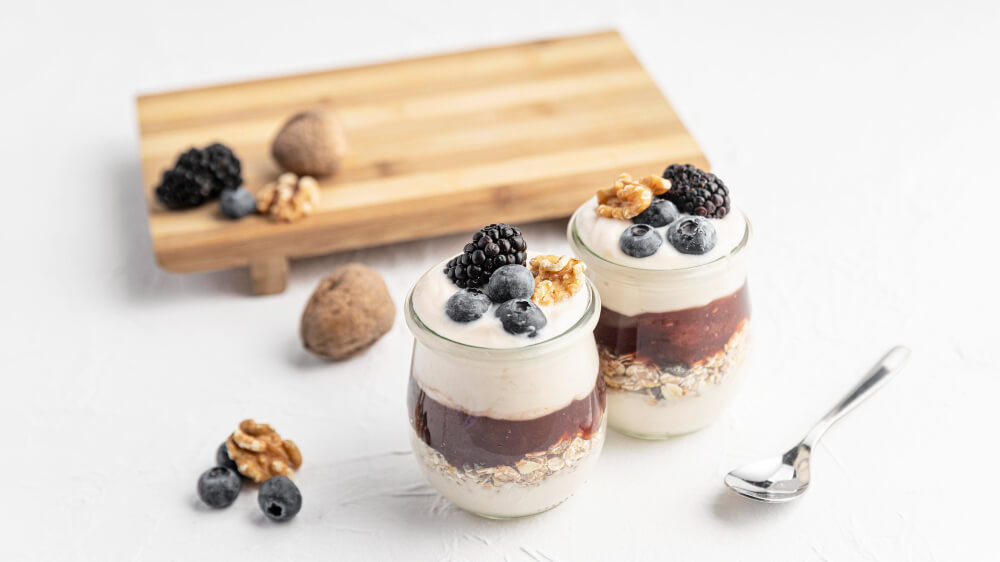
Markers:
point(268, 276)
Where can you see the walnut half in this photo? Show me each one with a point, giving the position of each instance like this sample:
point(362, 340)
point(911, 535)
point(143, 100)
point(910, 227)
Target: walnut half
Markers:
point(260, 453)
point(288, 199)
point(556, 278)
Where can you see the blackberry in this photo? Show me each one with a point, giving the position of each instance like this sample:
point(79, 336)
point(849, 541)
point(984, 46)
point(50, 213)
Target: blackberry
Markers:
point(199, 175)
point(492, 247)
point(696, 192)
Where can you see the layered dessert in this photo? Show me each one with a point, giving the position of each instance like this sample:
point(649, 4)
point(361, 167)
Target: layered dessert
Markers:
point(505, 400)
point(667, 255)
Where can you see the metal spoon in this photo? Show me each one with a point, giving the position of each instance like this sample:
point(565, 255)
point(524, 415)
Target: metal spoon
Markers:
point(784, 478)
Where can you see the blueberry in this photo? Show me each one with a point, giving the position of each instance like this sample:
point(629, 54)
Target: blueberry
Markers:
point(640, 241)
point(659, 213)
point(510, 282)
point(279, 498)
point(467, 305)
point(219, 486)
point(521, 316)
point(692, 235)
point(222, 458)
point(237, 203)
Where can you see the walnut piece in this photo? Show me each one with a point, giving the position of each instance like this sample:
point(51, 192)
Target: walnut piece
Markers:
point(260, 453)
point(556, 278)
point(288, 199)
point(627, 197)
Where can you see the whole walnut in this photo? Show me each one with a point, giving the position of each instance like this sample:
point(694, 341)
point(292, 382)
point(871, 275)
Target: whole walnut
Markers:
point(347, 313)
point(310, 143)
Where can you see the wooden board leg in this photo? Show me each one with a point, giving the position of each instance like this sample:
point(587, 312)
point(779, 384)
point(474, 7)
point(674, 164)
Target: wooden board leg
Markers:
point(268, 276)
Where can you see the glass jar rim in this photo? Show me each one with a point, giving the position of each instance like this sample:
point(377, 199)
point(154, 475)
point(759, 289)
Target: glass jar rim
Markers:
point(424, 334)
point(688, 271)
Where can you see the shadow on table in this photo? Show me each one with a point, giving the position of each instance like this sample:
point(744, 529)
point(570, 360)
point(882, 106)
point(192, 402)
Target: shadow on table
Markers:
point(734, 509)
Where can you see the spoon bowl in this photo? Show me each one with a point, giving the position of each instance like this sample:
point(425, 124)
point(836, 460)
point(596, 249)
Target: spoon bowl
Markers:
point(775, 479)
point(786, 477)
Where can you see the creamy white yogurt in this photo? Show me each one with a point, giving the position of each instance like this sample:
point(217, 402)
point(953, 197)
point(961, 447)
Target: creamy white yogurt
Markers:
point(602, 234)
point(433, 290)
point(510, 388)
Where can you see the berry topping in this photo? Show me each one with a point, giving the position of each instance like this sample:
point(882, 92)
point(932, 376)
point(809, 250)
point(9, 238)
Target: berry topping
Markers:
point(219, 486)
point(521, 316)
point(279, 498)
point(640, 241)
point(492, 247)
point(697, 192)
point(237, 203)
point(467, 305)
point(510, 282)
point(692, 235)
point(222, 458)
point(659, 213)
point(199, 175)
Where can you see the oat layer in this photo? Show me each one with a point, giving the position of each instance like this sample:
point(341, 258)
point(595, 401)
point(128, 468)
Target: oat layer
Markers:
point(530, 471)
point(626, 373)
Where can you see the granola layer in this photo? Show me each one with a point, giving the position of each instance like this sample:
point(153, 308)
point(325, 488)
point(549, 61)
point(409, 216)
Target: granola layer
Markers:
point(626, 372)
point(531, 470)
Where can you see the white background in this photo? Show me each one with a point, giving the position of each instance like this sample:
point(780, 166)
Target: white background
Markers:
point(860, 137)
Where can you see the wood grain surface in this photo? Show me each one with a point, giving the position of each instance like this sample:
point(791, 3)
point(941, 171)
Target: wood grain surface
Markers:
point(438, 145)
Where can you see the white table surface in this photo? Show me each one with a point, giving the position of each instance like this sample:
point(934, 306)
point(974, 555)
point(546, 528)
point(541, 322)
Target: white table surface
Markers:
point(861, 138)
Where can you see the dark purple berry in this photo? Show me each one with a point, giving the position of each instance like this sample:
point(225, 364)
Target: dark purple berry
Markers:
point(279, 498)
point(696, 192)
point(640, 241)
point(521, 316)
point(692, 235)
point(219, 486)
point(200, 174)
point(492, 247)
point(510, 282)
point(467, 305)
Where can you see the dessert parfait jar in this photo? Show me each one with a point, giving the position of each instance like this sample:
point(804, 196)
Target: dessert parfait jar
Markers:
point(674, 331)
point(504, 425)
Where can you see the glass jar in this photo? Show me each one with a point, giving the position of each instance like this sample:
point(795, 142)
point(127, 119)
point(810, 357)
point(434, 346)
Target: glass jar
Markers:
point(511, 432)
point(673, 343)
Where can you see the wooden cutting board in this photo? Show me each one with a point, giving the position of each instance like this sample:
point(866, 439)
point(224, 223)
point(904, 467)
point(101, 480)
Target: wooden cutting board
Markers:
point(438, 145)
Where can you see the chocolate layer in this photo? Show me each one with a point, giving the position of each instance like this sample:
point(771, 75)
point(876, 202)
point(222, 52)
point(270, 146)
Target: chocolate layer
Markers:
point(680, 337)
point(467, 440)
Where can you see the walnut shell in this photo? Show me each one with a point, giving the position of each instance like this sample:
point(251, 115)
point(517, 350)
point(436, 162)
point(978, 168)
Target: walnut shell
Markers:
point(310, 143)
point(347, 313)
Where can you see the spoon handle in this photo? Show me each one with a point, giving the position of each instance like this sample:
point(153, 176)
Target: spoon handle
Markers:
point(876, 378)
